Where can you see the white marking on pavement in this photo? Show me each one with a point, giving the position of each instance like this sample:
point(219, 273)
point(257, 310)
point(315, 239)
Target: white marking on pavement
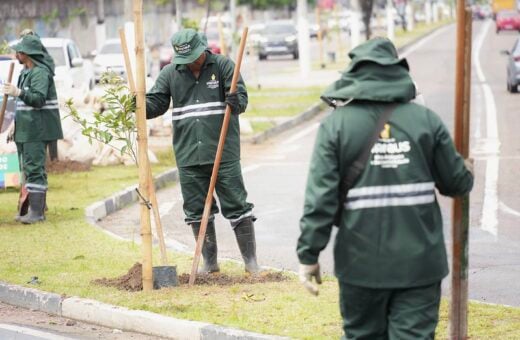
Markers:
point(508, 210)
point(415, 47)
point(31, 332)
point(251, 168)
point(489, 220)
point(301, 134)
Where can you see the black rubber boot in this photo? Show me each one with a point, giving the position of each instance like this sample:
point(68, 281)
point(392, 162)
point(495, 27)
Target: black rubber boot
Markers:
point(36, 206)
point(245, 234)
point(209, 248)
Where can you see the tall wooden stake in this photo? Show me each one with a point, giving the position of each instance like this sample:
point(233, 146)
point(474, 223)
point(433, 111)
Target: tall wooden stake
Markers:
point(216, 164)
point(142, 142)
point(460, 217)
point(4, 102)
point(151, 187)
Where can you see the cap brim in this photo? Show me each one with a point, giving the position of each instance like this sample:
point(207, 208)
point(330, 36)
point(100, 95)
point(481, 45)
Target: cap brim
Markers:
point(188, 59)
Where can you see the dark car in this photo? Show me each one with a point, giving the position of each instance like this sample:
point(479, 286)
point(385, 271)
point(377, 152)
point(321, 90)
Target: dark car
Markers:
point(513, 67)
point(508, 21)
point(278, 38)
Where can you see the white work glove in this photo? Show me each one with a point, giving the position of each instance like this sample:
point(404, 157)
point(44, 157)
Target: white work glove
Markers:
point(11, 90)
point(306, 273)
point(468, 162)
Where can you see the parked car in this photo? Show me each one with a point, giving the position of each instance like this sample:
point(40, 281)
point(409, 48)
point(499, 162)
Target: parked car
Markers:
point(278, 38)
point(72, 77)
point(513, 67)
point(507, 21)
point(109, 58)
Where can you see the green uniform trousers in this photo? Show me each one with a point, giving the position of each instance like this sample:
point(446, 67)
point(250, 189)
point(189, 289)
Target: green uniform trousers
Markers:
point(405, 313)
point(32, 157)
point(230, 190)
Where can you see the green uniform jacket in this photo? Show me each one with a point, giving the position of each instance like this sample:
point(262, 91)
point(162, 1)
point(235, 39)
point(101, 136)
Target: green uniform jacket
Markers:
point(37, 110)
point(198, 109)
point(391, 230)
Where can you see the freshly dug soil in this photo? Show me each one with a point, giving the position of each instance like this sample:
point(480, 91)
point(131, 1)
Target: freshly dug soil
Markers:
point(58, 167)
point(132, 281)
point(218, 279)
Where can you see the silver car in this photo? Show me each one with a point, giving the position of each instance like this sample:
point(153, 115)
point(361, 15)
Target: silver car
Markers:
point(278, 38)
point(513, 67)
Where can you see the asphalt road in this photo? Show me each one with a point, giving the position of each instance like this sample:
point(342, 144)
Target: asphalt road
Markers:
point(275, 173)
point(23, 324)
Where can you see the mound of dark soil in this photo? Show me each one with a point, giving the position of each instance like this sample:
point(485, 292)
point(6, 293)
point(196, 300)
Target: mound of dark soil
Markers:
point(132, 281)
point(58, 167)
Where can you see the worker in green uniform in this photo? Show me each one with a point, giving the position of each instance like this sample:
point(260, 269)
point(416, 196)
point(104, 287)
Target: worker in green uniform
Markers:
point(37, 120)
point(389, 252)
point(198, 83)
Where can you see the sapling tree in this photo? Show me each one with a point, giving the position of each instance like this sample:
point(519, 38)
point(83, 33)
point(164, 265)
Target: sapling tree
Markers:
point(114, 124)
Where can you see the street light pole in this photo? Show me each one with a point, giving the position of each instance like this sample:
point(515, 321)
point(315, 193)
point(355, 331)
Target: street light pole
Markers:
point(303, 39)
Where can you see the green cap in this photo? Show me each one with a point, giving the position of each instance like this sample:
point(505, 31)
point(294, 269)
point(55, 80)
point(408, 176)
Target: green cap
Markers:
point(378, 50)
point(188, 45)
point(30, 45)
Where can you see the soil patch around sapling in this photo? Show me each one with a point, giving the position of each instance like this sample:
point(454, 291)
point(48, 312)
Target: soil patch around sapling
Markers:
point(132, 280)
point(58, 167)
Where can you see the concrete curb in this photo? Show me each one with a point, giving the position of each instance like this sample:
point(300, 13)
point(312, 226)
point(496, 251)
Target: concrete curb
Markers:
point(119, 200)
point(30, 298)
point(119, 317)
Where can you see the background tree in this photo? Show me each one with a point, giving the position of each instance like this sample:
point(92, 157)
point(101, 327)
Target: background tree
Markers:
point(366, 15)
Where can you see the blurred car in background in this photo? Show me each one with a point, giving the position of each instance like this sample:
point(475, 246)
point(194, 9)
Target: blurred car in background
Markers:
point(513, 67)
point(507, 21)
point(72, 76)
point(109, 58)
point(278, 38)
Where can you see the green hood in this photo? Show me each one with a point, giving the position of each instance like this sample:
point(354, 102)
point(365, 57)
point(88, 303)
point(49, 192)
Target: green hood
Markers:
point(375, 73)
point(33, 47)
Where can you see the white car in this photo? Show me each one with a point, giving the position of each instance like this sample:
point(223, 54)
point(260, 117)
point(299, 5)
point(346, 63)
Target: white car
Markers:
point(109, 58)
point(73, 78)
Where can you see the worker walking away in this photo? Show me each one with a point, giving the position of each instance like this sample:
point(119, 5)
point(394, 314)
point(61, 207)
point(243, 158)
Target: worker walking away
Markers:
point(389, 252)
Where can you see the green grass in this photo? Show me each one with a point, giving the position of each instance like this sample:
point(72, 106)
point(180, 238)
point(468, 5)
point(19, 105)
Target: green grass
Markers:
point(66, 254)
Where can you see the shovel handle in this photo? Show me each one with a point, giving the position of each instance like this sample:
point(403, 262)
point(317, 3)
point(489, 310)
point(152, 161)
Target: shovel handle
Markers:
point(4, 102)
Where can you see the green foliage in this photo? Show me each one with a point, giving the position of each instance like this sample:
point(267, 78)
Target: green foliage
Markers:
point(162, 2)
point(264, 4)
point(4, 48)
point(190, 23)
point(115, 126)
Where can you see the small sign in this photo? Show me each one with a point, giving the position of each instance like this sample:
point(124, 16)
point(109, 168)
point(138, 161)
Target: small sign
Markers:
point(9, 170)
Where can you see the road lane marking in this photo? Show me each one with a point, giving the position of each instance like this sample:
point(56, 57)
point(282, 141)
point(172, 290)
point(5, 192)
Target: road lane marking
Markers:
point(508, 210)
point(418, 45)
point(489, 218)
point(301, 134)
point(251, 168)
point(31, 332)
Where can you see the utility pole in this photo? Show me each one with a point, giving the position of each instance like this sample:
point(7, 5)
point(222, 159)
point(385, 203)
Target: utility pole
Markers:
point(178, 13)
point(460, 211)
point(390, 25)
point(233, 14)
point(101, 34)
point(303, 39)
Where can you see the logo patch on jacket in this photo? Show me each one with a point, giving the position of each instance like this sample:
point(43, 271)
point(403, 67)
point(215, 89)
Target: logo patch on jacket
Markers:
point(385, 133)
point(388, 152)
point(213, 82)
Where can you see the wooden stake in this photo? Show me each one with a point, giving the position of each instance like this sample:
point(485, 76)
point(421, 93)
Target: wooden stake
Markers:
point(151, 187)
point(142, 143)
point(216, 164)
point(222, 38)
point(4, 102)
point(460, 212)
